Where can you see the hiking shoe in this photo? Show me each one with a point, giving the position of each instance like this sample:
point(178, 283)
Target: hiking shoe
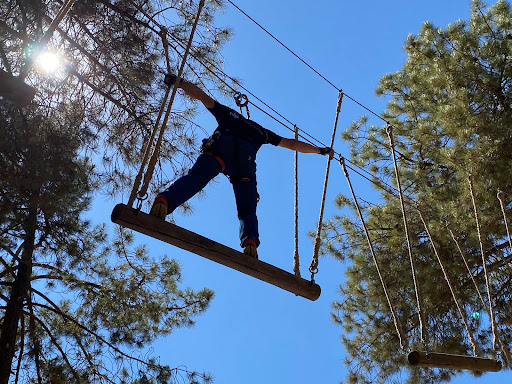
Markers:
point(159, 208)
point(250, 248)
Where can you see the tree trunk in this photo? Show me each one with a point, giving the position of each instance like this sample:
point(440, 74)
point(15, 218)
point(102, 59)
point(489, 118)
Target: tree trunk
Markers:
point(19, 292)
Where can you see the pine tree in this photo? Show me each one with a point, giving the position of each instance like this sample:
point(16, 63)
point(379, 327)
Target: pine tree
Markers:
point(79, 305)
point(450, 115)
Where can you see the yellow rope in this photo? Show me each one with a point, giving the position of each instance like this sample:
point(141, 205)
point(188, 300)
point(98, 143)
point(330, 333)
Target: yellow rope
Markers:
point(296, 261)
point(484, 262)
point(402, 339)
point(423, 330)
point(156, 151)
point(314, 263)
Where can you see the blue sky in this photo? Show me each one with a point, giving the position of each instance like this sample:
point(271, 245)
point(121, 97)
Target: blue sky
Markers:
point(254, 332)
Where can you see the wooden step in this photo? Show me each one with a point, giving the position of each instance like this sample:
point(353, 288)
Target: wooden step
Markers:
point(170, 233)
point(443, 360)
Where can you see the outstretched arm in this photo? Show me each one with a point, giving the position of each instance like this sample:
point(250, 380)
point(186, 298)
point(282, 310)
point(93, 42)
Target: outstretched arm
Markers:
point(194, 91)
point(300, 146)
point(191, 90)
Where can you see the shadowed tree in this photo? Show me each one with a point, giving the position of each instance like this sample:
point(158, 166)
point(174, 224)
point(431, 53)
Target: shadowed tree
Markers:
point(450, 113)
point(76, 305)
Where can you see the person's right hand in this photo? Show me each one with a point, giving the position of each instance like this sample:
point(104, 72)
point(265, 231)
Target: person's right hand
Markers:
point(327, 151)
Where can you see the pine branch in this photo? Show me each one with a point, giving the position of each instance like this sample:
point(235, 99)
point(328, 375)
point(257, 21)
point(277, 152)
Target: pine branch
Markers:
point(54, 308)
point(56, 344)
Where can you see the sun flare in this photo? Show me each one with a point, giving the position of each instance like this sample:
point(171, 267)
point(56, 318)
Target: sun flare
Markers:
point(48, 62)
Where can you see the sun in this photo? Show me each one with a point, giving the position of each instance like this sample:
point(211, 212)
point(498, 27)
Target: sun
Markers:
point(48, 62)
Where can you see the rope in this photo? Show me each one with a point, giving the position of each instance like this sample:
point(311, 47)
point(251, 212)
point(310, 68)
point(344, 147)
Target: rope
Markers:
point(403, 341)
point(165, 43)
point(154, 157)
point(487, 283)
point(423, 330)
point(500, 196)
point(296, 261)
point(452, 290)
point(369, 177)
point(314, 263)
point(147, 151)
point(486, 308)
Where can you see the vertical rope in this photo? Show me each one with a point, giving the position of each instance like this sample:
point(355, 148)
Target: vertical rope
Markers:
point(296, 261)
point(156, 151)
point(480, 295)
point(402, 339)
point(452, 290)
point(484, 262)
point(314, 263)
point(421, 319)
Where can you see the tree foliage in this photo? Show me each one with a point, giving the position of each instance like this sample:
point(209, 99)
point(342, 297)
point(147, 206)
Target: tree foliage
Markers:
point(450, 115)
point(78, 305)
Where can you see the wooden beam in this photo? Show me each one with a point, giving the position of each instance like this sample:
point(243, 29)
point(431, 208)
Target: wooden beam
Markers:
point(202, 246)
point(443, 360)
point(15, 90)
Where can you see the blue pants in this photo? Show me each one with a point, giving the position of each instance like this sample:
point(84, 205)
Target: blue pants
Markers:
point(207, 167)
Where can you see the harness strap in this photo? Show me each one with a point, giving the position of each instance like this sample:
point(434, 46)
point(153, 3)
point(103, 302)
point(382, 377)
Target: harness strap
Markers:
point(218, 158)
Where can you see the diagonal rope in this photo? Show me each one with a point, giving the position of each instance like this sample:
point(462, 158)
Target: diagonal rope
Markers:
point(484, 262)
point(480, 295)
point(500, 196)
point(421, 319)
point(401, 337)
point(296, 260)
point(314, 263)
point(156, 151)
point(452, 290)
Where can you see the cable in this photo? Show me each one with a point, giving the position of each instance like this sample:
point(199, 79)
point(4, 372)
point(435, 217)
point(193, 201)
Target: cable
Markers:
point(211, 66)
point(304, 62)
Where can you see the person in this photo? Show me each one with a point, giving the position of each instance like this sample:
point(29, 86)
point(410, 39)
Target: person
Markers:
point(231, 150)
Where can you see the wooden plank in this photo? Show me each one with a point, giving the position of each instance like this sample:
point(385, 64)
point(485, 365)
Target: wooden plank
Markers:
point(447, 361)
point(202, 246)
point(15, 90)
